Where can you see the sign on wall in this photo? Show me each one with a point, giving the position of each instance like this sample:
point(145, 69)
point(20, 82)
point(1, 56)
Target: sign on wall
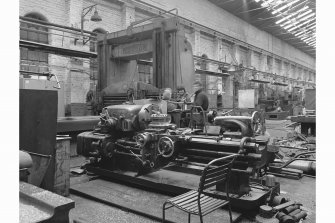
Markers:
point(133, 50)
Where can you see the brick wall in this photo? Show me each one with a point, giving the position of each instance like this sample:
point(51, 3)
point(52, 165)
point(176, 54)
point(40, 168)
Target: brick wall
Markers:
point(54, 11)
point(68, 13)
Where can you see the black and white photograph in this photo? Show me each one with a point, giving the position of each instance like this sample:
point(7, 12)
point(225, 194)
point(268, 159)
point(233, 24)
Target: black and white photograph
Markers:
point(166, 111)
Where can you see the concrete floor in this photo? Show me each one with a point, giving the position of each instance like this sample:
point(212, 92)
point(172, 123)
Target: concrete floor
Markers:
point(302, 191)
point(87, 211)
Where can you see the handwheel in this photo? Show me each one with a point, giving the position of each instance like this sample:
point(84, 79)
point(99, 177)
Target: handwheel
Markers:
point(166, 147)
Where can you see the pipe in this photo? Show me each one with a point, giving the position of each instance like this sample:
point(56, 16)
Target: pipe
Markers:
point(256, 157)
point(300, 215)
point(287, 219)
point(294, 159)
point(54, 28)
point(295, 212)
point(305, 166)
point(291, 208)
point(53, 24)
point(238, 163)
point(34, 73)
point(217, 141)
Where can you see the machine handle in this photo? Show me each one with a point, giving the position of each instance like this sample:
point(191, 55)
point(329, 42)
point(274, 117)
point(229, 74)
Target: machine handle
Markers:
point(244, 140)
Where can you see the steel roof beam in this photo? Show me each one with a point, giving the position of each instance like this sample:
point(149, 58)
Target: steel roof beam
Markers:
point(284, 7)
point(292, 14)
point(299, 25)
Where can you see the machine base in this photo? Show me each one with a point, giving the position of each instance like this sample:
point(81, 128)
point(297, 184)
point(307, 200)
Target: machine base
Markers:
point(174, 183)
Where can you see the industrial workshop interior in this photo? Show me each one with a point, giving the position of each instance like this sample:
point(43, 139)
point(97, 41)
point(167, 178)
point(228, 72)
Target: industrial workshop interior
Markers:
point(167, 111)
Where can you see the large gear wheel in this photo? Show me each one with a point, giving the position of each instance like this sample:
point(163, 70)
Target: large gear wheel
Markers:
point(165, 147)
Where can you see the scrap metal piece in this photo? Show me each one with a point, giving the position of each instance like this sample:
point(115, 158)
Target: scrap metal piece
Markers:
point(37, 205)
point(284, 205)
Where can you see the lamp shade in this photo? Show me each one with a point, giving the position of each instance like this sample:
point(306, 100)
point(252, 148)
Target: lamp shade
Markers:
point(96, 17)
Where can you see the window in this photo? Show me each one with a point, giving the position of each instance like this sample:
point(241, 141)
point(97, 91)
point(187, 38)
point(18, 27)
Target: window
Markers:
point(278, 65)
point(145, 73)
point(33, 32)
point(243, 56)
point(257, 60)
point(33, 60)
point(227, 49)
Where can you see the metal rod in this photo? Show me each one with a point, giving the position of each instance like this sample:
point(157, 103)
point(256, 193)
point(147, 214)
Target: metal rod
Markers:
point(128, 154)
point(88, 7)
point(127, 147)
